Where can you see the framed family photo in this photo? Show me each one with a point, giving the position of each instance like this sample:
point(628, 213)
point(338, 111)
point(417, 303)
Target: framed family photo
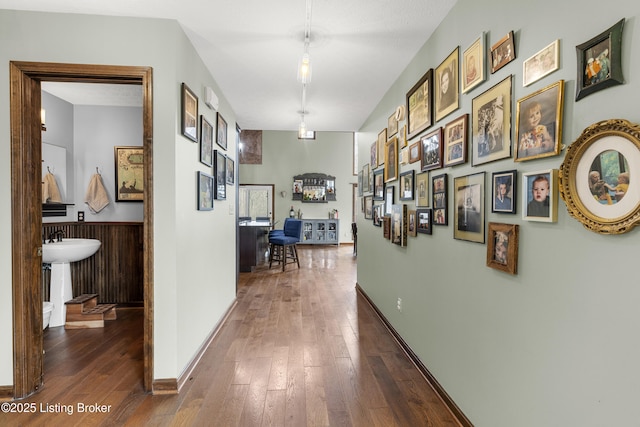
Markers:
point(189, 116)
point(539, 123)
point(374, 155)
point(504, 190)
point(206, 142)
point(455, 141)
point(543, 63)
point(378, 184)
point(502, 52)
point(221, 138)
point(502, 247)
point(389, 199)
point(431, 150)
point(368, 207)
point(600, 62)
point(220, 173)
point(468, 196)
point(365, 179)
point(412, 225)
point(540, 196)
point(447, 96)
point(424, 217)
point(399, 225)
point(422, 189)
point(391, 160)
point(491, 118)
point(414, 152)
point(599, 177)
point(392, 125)
point(440, 197)
point(406, 185)
point(205, 191)
point(231, 171)
point(473, 64)
point(377, 215)
point(382, 140)
point(420, 105)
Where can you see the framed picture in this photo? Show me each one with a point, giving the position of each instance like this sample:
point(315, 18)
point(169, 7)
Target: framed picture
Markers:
point(455, 141)
point(431, 150)
point(378, 184)
point(473, 64)
point(392, 125)
point(447, 96)
point(189, 116)
point(360, 183)
point(468, 196)
point(491, 117)
point(366, 187)
point(503, 52)
point(504, 191)
point(231, 171)
point(221, 138)
point(374, 155)
point(386, 227)
point(391, 160)
point(414, 152)
point(502, 247)
point(420, 105)
point(382, 140)
point(412, 226)
point(600, 62)
point(598, 178)
point(539, 123)
point(297, 187)
point(440, 193)
point(541, 64)
point(539, 196)
point(377, 215)
point(368, 207)
point(220, 174)
point(205, 191)
point(402, 136)
point(424, 220)
point(206, 142)
point(389, 199)
point(399, 225)
point(129, 162)
point(422, 189)
point(406, 185)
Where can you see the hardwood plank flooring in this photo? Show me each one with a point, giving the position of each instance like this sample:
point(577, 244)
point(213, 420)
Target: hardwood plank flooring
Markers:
point(301, 348)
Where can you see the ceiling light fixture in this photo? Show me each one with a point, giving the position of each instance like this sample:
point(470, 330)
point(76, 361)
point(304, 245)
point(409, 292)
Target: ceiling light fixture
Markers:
point(304, 71)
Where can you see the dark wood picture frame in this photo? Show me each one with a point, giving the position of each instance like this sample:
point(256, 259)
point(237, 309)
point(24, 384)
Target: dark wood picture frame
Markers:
point(431, 150)
point(407, 180)
point(503, 52)
point(502, 247)
point(420, 105)
point(424, 217)
point(189, 113)
point(220, 174)
point(412, 223)
point(504, 191)
point(206, 142)
point(456, 141)
point(221, 131)
point(378, 184)
point(440, 195)
point(206, 186)
point(595, 56)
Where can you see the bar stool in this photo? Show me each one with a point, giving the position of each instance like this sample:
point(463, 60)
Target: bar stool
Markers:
point(283, 246)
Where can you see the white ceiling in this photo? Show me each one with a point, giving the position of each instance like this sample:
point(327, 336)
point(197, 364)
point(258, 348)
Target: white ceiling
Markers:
point(251, 47)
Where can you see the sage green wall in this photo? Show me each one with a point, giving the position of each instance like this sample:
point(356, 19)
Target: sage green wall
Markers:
point(284, 156)
point(556, 344)
point(189, 300)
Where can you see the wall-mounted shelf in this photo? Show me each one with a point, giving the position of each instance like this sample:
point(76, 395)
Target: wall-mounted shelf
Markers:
point(314, 188)
point(55, 209)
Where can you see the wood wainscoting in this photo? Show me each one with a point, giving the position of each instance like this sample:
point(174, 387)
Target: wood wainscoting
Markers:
point(116, 271)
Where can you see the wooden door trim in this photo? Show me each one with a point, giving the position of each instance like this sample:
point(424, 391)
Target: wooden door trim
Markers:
point(26, 219)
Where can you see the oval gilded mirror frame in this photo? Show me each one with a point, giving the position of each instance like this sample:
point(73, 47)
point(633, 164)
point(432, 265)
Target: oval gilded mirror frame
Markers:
point(619, 214)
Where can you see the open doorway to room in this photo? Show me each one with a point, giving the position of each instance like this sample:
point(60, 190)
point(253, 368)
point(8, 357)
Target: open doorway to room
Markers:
point(26, 193)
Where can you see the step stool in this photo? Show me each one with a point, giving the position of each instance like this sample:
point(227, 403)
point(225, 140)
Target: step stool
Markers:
point(84, 311)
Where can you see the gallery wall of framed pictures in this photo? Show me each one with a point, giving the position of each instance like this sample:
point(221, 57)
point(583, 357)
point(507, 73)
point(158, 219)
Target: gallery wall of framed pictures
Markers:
point(484, 75)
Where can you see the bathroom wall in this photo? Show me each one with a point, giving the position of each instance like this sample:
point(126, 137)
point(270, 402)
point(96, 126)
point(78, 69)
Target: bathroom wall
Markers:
point(556, 344)
point(89, 133)
point(189, 299)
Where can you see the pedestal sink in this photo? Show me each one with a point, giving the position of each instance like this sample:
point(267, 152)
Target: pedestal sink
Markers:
point(60, 255)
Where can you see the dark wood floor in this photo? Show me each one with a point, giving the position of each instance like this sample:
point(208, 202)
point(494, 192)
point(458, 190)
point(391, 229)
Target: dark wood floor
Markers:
point(301, 348)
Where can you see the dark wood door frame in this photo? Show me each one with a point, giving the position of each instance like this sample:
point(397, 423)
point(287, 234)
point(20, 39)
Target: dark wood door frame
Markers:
point(26, 207)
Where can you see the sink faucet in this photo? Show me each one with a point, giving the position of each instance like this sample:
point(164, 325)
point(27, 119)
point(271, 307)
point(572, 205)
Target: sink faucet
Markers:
point(58, 233)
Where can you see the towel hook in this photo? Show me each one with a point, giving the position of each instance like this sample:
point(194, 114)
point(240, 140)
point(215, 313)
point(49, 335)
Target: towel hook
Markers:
point(48, 169)
point(97, 171)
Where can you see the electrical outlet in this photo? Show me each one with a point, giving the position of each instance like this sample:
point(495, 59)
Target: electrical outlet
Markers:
point(399, 305)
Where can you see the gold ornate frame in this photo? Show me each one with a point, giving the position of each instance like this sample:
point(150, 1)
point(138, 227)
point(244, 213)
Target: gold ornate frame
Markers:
point(616, 134)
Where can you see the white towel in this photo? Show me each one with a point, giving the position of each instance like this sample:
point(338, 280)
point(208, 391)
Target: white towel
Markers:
point(96, 196)
point(50, 190)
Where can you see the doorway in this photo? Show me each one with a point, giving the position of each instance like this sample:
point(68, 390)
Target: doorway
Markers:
point(26, 211)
